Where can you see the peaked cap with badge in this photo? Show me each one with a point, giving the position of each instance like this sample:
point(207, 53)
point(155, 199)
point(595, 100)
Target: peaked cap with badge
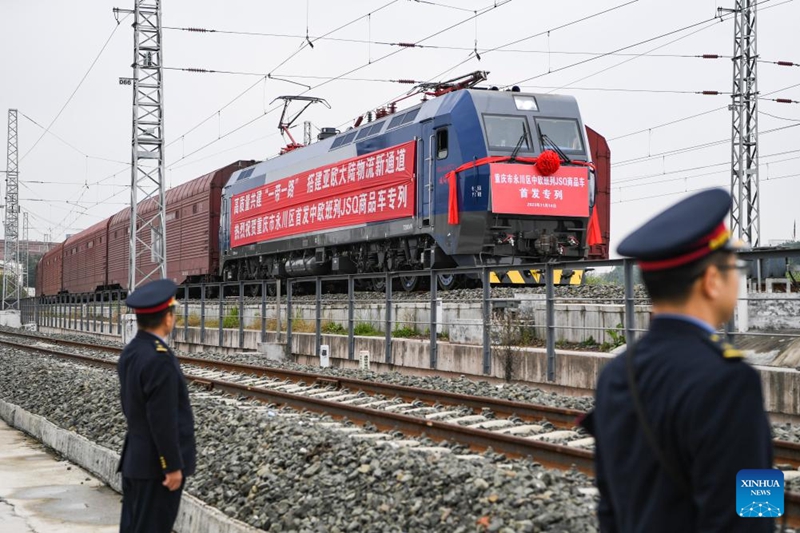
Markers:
point(160, 423)
point(153, 297)
point(679, 413)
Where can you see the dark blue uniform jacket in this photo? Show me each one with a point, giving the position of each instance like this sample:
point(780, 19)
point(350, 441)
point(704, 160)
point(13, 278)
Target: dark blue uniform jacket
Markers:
point(707, 414)
point(155, 401)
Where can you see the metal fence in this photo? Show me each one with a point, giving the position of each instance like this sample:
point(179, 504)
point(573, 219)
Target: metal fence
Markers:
point(486, 319)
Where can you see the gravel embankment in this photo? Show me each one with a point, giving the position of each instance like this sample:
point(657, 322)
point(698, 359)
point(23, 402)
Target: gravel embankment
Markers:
point(290, 474)
point(462, 385)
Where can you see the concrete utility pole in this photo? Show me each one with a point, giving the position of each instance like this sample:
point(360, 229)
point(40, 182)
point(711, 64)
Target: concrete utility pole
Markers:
point(148, 246)
point(11, 244)
point(746, 213)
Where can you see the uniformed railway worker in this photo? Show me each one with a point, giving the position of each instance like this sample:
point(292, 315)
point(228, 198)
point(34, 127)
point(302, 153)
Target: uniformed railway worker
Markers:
point(159, 450)
point(680, 413)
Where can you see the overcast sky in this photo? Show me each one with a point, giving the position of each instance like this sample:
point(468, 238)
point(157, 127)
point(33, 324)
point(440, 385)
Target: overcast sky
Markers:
point(49, 45)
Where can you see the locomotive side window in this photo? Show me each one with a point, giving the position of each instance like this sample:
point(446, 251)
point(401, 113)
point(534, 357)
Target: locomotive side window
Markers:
point(504, 132)
point(410, 116)
point(441, 143)
point(396, 121)
point(349, 137)
point(563, 132)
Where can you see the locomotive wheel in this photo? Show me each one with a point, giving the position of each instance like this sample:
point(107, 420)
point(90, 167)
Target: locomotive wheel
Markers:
point(449, 282)
point(410, 283)
point(272, 290)
point(378, 284)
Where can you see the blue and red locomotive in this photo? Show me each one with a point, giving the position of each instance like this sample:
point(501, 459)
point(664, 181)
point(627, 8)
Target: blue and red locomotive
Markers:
point(472, 177)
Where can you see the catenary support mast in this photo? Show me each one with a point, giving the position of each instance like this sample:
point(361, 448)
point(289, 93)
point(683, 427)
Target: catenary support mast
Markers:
point(745, 214)
point(148, 246)
point(11, 281)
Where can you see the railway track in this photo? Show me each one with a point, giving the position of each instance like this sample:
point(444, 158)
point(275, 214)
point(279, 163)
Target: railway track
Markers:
point(526, 430)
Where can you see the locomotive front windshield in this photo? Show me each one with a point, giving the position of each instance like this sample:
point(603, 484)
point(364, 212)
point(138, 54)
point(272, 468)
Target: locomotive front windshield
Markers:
point(564, 133)
point(504, 132)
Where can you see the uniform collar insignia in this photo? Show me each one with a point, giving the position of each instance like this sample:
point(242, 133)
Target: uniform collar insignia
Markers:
point(160, 347)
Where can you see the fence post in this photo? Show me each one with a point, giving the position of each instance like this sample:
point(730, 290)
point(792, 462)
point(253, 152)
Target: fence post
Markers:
point(351, 339)
point(278, 327)
point(630, 310)
point(318, 314)
point(80, 316)
point(289, 284)
point(102, 311)
point(241, 315)
point(221, 312)
point(487, 321)
point(433, 321)
point(388, 337)
point(264, 311)
point(119, 313)
point(551, 323)
point(186, 313)
point(202, 312)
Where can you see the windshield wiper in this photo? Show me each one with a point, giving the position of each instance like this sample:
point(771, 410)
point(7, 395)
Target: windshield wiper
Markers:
point(543, 138)
point(518, 147)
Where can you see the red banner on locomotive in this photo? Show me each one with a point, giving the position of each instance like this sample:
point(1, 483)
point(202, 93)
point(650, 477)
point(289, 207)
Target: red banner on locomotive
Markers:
point(522, 190)
point(370, 188)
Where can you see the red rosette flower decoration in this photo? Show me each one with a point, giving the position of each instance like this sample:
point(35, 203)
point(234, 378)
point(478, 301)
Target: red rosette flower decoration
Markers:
point(548, 162)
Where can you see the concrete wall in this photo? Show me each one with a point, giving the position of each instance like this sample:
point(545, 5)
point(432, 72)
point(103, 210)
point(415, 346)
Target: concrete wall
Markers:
point(10, 319)
point(774, 311)
point(194, 516)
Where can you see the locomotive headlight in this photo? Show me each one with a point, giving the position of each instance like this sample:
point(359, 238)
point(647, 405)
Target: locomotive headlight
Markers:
point(525, 103)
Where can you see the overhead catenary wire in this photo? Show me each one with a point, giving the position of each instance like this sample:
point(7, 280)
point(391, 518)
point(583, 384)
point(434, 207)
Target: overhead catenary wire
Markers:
point(687, 191)
point(512, 43)
point(482, 51)
point(690, 117)
point(777, 117)
point(413, 82)
point(291, 56)
point(77, 88)
point(629, 179)
point(709, 21)
point(633, 90)
point(691, 148)
point(625, 184)
point(68, 144)
point(702, 24)
point(494, 6)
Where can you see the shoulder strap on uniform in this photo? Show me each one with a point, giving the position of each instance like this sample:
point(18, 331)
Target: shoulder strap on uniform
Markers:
point(670, 468)
point(160, 347)
point(728, 350)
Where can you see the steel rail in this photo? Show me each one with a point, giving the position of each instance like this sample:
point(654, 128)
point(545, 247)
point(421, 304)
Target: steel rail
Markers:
point(547, 454)
point(785, 452)
point(560, 417)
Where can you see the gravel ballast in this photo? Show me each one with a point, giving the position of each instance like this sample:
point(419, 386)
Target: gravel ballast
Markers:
point(284, 473)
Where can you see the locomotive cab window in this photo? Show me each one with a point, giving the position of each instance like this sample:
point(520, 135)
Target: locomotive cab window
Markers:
point(441, 143)
point(563, 132)
point(504, 132)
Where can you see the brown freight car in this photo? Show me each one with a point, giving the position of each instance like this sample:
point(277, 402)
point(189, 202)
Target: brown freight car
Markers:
point(49, 280)
point(85, 259)
point(192, 221)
